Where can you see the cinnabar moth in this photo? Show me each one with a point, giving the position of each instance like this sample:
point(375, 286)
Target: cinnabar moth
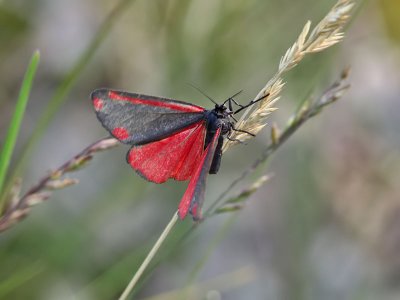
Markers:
point(169, 138)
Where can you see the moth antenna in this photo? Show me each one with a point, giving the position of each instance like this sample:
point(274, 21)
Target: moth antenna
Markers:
point(231, 99)
point(236, 94)
point(204, 94)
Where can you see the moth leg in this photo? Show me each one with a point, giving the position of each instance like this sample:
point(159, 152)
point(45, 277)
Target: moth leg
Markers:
point(234, 119)
point(244, 131)
point(234, 101)
point(235, 140)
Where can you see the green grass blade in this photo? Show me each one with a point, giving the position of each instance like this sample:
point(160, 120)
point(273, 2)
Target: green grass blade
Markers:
point(16, 120)
point(19, 278)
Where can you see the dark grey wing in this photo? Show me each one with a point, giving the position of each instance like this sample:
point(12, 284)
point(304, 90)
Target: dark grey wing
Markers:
point(140, 119)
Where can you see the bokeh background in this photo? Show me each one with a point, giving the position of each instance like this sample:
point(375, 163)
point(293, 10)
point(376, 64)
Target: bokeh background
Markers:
point(327, 226)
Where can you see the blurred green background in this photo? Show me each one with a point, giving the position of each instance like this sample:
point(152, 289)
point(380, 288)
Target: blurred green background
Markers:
point(327, 226)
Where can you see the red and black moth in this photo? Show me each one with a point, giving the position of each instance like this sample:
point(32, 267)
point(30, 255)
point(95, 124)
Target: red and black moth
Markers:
point(169, 138)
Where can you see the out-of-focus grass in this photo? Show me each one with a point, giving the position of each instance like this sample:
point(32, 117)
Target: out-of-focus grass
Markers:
point(19, 278)
point(15, 124)
point(391, 12)
point(12, 27)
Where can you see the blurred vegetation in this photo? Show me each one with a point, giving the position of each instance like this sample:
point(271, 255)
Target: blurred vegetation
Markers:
point(325, 227)
point(391, 12)
point(15, 124)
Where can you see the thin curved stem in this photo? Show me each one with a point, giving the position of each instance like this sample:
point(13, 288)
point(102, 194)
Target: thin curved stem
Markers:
point(149, 258)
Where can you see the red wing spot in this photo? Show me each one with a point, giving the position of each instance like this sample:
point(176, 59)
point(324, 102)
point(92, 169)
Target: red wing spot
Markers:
point(98, 104)
point(120, 133)
point(158, 103)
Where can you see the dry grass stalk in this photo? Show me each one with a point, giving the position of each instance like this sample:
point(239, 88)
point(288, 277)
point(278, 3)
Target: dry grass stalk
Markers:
point(327, 33)
point(19, 207)
point(307, 110)
point(239, 201)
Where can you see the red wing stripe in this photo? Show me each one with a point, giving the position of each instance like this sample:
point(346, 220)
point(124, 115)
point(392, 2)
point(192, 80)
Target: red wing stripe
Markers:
point(120, 133)
point(190, 193)
point(174, 106)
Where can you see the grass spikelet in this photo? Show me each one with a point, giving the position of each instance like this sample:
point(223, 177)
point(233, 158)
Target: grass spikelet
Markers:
point(328, 32)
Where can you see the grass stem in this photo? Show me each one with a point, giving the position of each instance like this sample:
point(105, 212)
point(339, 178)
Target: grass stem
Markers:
point(149, 258)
